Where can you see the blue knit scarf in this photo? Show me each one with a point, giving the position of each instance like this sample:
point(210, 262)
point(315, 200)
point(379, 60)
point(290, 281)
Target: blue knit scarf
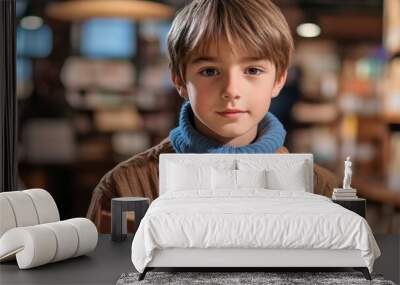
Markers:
point(186, 139)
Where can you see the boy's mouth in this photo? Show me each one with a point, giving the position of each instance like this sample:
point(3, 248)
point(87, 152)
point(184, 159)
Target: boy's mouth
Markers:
point(232, 113)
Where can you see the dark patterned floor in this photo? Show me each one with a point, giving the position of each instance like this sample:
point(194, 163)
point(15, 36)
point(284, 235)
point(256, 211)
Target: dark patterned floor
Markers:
point(269, 278)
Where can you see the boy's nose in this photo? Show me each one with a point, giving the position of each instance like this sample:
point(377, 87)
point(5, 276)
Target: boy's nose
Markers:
point(231, 88)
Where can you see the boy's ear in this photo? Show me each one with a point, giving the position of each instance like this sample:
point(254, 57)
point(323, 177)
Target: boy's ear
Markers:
point(179, 85)
point(278, 85)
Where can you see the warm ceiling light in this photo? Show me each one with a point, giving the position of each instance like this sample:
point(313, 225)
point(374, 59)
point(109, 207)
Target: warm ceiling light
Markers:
point(132, 9)
point(308, 30)
point(31, 22)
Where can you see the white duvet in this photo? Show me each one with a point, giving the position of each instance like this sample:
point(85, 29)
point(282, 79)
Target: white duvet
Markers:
point(252, 218)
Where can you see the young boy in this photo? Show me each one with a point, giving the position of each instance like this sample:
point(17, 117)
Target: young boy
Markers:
point(228, 58)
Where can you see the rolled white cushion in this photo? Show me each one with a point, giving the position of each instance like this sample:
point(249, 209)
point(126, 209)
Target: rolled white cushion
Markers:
point(23, 208)
point(33, 246)
point(41, 244)
point(87, 235)
point(7, 218)
point(66, 238)
point(45, 205)
point(26, 208)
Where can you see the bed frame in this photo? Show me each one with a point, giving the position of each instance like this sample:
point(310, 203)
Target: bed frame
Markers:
point(245, 259)
point(242, 259)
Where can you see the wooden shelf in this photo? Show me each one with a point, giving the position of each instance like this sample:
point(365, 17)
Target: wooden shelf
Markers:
point(315, 113)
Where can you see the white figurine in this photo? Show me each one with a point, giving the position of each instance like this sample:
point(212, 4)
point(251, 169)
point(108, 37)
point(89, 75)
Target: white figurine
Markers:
point(347, 174)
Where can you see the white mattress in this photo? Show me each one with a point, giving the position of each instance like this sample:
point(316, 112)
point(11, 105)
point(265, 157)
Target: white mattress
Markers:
point(252, 218)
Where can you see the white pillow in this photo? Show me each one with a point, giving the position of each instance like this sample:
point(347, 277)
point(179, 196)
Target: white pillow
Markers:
point(223, 179)
point(251, 178)
point(284, 173)
point(229, 179)
point(183, 177)
point(293, 180)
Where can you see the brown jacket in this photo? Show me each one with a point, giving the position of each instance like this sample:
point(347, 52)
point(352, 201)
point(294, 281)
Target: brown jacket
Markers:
point(138, 176)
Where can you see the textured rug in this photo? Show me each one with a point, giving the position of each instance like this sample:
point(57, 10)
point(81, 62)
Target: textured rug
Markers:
point(242, 278)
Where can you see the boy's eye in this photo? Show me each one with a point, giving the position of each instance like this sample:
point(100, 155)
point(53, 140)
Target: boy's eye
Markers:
point(209, 72)
point(254, 71)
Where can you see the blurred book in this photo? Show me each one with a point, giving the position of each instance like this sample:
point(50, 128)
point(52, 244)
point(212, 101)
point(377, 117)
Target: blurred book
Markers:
point(319, 62)
point(345, 191)
point(49, 140)
point(150, 100)
point(126, 144)
point(391, 90)
point(114, 75)
point(352, 103)
point(94, 149)
point(320, 141)
point(344, 194)
point(159, 123)
point(156, 77)
point(315, 113)
point(118, 119)
point(92, 100)
point(334, 197)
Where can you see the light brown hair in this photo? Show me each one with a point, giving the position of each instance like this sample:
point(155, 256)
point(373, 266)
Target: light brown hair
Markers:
point(257, 26)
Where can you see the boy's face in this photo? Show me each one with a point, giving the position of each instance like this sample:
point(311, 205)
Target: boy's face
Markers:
point(229, 92)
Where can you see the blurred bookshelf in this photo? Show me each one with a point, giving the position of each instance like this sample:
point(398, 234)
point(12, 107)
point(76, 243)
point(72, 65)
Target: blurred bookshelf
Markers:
point(350, 106)
point(391, 94)
point(114, 100)
point(316, 114)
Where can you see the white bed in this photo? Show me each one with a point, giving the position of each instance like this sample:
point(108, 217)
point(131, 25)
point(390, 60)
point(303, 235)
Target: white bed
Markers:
point(225, 210)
